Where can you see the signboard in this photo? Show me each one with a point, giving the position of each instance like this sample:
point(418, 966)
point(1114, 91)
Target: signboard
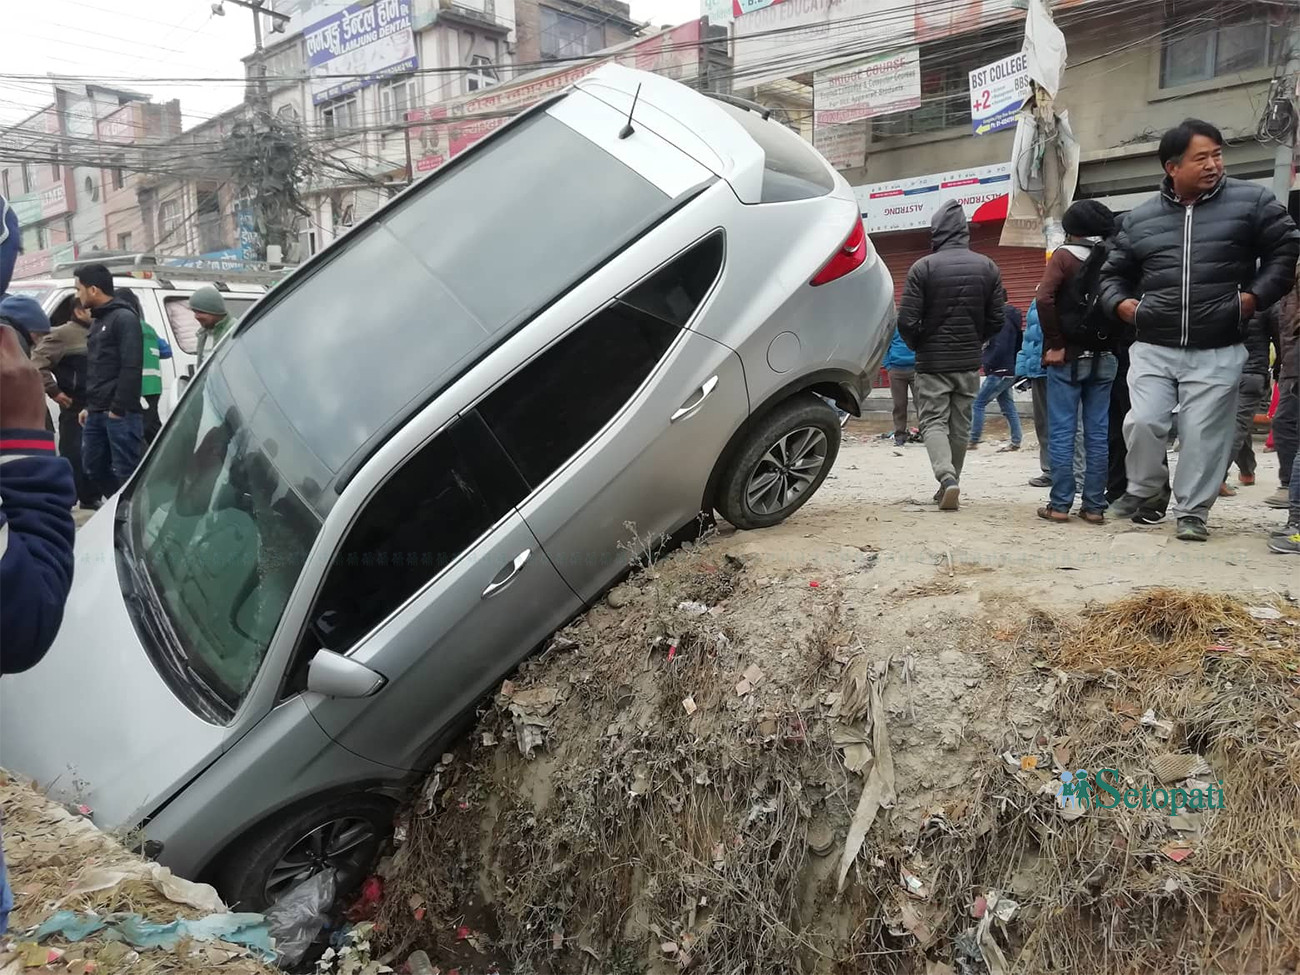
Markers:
point(443, 132)
point(909, 204)
point(250, 241)
point(793, 36)
point(844, 146)
point(119, 127)
point(997, 91)
point(358, 46)
point(878, 86)
point(719, 13)
point(223, 260)
point(32, 208)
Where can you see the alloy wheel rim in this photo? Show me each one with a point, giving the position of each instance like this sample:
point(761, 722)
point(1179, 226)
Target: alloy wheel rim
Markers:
point(786, 470)
point(340, 845)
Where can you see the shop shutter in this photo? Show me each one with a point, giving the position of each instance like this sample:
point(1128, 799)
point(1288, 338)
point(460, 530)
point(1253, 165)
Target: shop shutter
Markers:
point(1021, 267)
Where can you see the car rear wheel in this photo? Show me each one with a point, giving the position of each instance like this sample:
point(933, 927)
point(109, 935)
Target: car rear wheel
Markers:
point(782, 463)
point(343, 834)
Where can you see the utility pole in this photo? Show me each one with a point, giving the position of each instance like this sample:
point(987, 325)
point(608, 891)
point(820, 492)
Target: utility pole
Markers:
point(261, 100)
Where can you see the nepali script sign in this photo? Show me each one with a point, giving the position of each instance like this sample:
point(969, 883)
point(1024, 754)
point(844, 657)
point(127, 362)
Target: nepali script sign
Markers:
point(358, 46)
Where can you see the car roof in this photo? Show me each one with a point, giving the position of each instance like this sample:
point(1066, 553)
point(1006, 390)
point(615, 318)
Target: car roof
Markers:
point(694, 123)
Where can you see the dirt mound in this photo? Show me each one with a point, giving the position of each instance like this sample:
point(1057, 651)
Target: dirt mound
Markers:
point(727, 771)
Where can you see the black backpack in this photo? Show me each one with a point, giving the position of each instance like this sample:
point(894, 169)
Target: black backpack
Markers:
point(1084, 321)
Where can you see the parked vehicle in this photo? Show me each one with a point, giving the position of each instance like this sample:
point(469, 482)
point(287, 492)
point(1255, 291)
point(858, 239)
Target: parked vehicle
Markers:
point(416, 458)
point(164, 294)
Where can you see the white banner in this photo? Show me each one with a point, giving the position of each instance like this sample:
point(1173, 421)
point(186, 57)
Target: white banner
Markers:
point(844, 146)
point(908, 204)
point(878, 86)
point(997, 91)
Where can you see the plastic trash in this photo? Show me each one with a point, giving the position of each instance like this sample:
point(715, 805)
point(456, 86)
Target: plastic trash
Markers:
point(419, 964)
point(298, 917)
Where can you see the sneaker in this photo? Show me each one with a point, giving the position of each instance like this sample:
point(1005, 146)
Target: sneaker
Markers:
point(1226, 490)
point(1292, 527)
point(1281, 498)
point(1286, 544)
point(1245, 480)
point(1192, 530)
point(1148, 516)
point(1130, 504)
point(949, 496)
point(1041, 481)
point(900, 441)
point(1008, 448)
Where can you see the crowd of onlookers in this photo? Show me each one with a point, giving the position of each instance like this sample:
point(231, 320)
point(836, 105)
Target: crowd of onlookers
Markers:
point(1173, 322)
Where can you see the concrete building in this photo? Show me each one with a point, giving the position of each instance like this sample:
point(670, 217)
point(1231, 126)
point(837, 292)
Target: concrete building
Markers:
point(1131, 74)
point(62, 181)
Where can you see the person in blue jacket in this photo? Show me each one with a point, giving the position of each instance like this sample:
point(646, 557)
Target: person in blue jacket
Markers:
point(999, 376)
point(36, 528)
point(900, 363)
point(1029, 365)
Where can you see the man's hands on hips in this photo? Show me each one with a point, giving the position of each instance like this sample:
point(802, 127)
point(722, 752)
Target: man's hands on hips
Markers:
point(1127, 310)
point(1248, 306)
point(22, 392)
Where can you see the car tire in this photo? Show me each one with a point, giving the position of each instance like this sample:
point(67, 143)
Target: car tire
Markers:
point(781, 463)
point(251, 877)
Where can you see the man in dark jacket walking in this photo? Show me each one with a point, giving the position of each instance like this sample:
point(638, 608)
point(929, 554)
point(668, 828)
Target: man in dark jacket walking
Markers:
point(1183, 274)
point(952, 304)
point(112, 420)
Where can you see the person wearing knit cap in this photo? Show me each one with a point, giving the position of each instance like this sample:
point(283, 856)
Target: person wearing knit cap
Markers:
point(1079, 341)
point(214, 321)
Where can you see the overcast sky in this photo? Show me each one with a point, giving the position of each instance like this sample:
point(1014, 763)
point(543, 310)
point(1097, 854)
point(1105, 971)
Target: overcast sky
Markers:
point(157, 39)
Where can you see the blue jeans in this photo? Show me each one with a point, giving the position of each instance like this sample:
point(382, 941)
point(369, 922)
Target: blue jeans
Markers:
point(1083, 382)
point(110, 449)
point(996, 388)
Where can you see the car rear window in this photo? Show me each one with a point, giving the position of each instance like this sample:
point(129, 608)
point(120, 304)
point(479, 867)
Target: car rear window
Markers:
point(408, 302)
point(792, 169)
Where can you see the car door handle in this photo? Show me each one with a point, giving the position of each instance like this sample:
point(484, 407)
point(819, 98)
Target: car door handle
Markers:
point(696, 401)
point(507, 575)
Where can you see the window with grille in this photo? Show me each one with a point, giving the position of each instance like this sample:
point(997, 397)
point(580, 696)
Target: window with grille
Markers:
point(1205, 47)
point(169, 225)
point(339, 116)
point(566, 36)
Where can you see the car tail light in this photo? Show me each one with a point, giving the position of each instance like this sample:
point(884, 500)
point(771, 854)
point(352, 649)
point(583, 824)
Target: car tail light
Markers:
point(851, 255)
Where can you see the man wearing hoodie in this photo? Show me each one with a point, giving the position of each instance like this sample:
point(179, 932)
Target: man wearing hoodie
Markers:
point(900, 362)
point(1189, 267)
point(952, 305)
point(113, 425)
point(999, 377)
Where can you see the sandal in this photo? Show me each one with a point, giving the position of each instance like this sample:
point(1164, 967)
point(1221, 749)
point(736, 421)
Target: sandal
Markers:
point(1051, 514)
point(1093, 517)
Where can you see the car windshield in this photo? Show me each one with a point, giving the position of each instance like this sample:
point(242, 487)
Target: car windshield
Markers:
point(221, 532)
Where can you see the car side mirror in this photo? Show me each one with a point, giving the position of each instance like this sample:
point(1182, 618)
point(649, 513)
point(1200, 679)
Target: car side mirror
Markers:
point(333, 675)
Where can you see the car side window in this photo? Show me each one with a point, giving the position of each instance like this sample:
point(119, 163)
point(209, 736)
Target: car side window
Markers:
point(429, 512)
point(555, 404)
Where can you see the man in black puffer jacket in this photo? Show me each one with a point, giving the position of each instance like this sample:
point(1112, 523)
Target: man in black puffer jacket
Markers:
point(952, 304)
point(1252, 396)
point(1184, 274)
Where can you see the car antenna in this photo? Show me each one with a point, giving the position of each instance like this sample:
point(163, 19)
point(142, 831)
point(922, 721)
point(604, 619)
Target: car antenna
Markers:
point(627, 129)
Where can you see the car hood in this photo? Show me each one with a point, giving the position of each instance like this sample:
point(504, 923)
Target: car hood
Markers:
point(93, 721)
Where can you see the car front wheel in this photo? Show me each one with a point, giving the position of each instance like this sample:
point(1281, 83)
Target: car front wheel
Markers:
point(343, 834)
point(781, 464)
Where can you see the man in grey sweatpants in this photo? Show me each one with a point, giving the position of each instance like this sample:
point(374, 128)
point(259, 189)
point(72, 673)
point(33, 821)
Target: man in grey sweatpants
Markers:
point(1189, 268)
point(952, 304)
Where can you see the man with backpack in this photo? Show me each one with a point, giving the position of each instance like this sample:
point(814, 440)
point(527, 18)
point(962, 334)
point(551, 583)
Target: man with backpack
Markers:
point(1183, 273)
point(1079, 359)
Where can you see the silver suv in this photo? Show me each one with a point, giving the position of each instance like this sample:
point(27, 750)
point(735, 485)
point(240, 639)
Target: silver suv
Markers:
point(415, 459)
